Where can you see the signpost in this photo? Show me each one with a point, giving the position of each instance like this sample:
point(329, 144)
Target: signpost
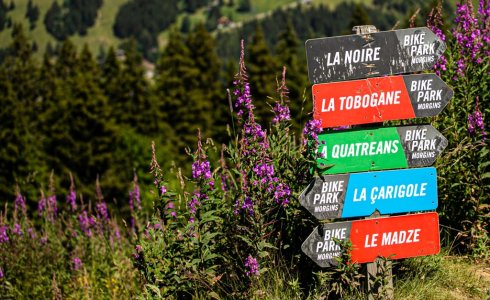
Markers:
point(380, 148)
point(379, 99)
point(392, 237)
point(374, 54)
point(361, 194)
point(365, 55)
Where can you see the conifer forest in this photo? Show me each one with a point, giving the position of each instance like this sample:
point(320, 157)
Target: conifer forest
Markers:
point(159, 149)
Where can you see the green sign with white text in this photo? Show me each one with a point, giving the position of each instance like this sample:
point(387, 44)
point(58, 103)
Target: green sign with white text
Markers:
point(359, 150)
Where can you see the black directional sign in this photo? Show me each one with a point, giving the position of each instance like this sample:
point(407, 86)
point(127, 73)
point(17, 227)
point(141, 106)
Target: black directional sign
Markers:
point(371, 55)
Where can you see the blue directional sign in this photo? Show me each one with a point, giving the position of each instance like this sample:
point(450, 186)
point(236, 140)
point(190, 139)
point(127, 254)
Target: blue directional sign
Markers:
point(361, 194)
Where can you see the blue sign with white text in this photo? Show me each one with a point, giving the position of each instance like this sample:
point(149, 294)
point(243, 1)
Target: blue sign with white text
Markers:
point(361, 194)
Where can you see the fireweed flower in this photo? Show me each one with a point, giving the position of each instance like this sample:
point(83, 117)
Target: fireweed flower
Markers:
point(85, 223)
point(52, 207)
point(281, 109)
point(4, 238)
point(264, 172)
point(77, 264)
point(242, 87)
point(163, 190)
point(484, 16)
point(282, 194)
point(475, 122)
point(201, 169)
point(32, 233)
point(312, 129)
point(469, 35)
point(252, 266)
point(434, 23)
point(20, 202)
point(170, 208)
point(41, 205)
point(102, 212)
point(17, 229)
point(248, 206)
point(134, 195)
point(71, 199)
point(138, 250)
point(281, 113)
point(201, 173)
point(1, 273)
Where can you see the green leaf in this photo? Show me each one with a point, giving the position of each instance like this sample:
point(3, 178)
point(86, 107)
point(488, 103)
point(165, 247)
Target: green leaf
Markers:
point(154, 289)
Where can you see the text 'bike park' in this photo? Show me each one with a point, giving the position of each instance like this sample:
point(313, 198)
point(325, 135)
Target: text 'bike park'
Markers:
point(383, 169)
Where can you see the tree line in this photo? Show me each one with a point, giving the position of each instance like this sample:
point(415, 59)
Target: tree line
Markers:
point(73, 113)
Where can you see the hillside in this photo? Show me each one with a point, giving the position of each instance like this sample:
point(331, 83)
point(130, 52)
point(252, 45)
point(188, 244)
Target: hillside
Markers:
point(102, 35)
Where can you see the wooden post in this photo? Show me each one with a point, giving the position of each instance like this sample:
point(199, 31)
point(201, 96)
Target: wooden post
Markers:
point(379, 269)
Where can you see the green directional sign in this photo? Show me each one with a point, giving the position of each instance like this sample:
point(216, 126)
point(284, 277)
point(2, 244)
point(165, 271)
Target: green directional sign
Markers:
point(382, 148)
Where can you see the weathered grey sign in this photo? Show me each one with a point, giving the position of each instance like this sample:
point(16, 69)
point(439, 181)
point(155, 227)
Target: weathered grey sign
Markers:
point(374, 54)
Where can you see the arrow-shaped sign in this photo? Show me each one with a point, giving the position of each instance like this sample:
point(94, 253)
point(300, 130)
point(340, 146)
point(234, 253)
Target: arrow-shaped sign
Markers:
point(392, 237)
point(358, 150)
point(374, 54)
point(361, 194)
point(379, 99)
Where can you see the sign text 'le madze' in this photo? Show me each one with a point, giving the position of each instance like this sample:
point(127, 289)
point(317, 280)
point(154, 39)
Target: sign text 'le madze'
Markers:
point(382, 148)
point(361, 194)
point(392, 237)
point(379, 99)
point(371, 55)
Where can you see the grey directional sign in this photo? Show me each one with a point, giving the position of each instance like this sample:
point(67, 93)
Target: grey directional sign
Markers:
point(428, 93)
point(322, 244)
point(374, 54)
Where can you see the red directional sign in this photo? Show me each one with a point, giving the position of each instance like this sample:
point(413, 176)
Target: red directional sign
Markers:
point(379, 99)
point(391, 237)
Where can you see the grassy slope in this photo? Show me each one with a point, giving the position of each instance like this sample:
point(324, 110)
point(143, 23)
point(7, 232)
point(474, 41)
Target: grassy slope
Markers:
point(99, 35)
point(457, 278)
point(440, 276)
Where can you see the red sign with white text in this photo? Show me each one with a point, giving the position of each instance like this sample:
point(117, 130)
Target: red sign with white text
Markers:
point(395, 237)
point(379, 99)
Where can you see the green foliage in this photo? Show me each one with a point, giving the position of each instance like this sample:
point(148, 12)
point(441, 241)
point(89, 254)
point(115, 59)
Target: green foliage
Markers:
point(32, 13)
point(3, 14)
point(144, 20)
point(463, 168)
point(244, 6)
point(74, 16)
point(58, 253)
point(262, 66)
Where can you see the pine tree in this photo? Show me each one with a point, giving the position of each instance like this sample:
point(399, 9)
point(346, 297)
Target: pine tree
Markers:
point(134, 106)
point(288, 54)
point(32, 14)
point(359, 16)
point(81, 130)
point(21, 156)
point(53, 21)
point(111, 76)
point(262, 67)
point(176, 82)
point(212, 105)
point(3, 15)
